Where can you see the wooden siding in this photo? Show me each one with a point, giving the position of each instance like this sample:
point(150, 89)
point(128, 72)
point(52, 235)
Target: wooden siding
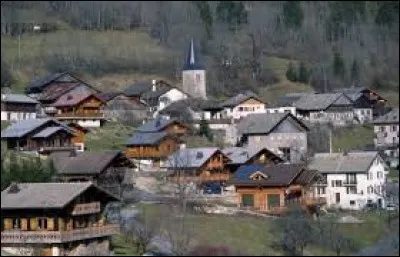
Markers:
point(79, 136)
point(90, 107)
point(176, 129)
point(18, 107)
point(251, 101)
point(166, 147)
point(260, 196)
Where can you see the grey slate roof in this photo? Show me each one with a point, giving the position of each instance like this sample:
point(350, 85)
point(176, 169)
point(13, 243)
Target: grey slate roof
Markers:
point(138, 88)
point(193, 59)
point(146, 138)
point(238, 99)
point(83, 162)
point(240, 155)
point(155, 125)
point(195, 104)
point(18, 98)
point(45, 195)
point(42, 195)
point(318, 101)
point(264, 123)
point(45, 80)
point(50, 131)
point(190, 157)
point(352, 162)
point(388, 118)
point(21, 128)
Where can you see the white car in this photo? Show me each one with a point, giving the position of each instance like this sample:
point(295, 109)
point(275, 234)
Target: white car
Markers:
point(391, 207)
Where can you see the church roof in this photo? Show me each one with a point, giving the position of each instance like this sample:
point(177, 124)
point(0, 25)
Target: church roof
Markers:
point(193, 59)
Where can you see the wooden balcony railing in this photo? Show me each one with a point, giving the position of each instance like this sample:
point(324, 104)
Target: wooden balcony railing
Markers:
point(48, 237)
point(86, 208)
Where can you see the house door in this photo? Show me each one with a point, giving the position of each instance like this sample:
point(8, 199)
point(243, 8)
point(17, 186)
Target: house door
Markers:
point(380, 205)
point(337, 197)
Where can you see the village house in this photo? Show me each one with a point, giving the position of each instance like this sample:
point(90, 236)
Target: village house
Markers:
point(242, 156)
point(273, 188)
point(119, 107)
point(172, 127)
point(154, 147)
point(55, 219)
point(84, 108)
point(106, 169)
point(281, 133)
point(16, 107)
point(350, 180)
point(242, 105)
point(386, 130)
point(198, 165)
point(78, 140)
point(336, 109)
point(38, 135)
point(365, 99)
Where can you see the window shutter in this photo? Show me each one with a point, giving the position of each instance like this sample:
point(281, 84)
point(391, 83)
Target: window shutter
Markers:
point(50, 224)
point(34, 223)
point(8, 224)
point(24, 224)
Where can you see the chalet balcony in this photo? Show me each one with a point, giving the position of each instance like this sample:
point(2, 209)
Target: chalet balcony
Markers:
point(86, 208)
point(80, 115)
point(48, 237)
point(350, 182)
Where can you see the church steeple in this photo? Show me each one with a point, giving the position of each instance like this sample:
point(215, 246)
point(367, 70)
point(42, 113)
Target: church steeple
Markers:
point(193, 59)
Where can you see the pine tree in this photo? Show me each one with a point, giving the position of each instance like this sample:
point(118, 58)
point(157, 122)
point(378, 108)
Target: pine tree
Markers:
point(355, 72)
point(205, 130)
point(293, 14)
point(339, 68)
point(291, 73)
point(303, 74)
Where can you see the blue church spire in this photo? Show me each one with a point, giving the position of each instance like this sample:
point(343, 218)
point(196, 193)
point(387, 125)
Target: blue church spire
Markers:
point(193, 59)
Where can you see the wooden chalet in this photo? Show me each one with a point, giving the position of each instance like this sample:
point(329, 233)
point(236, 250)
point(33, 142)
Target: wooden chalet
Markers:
point(78, 140)
point(42, 135)
point(55, 219)
point(152, 146)
point(15, 107)
point(246, 156)
point(199, 165)
point(106, 169)
point(273, 188)
point(172, 127)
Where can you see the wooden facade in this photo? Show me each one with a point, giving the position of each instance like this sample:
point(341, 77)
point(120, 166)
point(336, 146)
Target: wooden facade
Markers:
point(162, 149)
point(90, 107)
point(79, 135)
point(56, 231)
point(212, 170)
point(18, 107)
point(176, 128)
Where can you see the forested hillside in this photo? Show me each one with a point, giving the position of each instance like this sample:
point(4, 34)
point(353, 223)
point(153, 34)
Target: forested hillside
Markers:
point(247, 45)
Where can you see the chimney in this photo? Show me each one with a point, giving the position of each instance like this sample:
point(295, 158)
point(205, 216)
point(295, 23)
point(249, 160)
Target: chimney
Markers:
point(154, 87)
point(13, 188)
point(72, 153)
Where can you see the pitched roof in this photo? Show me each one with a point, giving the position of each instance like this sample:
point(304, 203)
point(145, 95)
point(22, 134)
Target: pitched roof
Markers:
point(264, 123)
point(156, 125)
point(276, 175)
point(389, 117)
point(23, 127)
point(195, 104)
point(84, 162)
point(107, 96)
point(74, 97)
point(350, 90)
point(193, 59)
point(50, 131)
point(54, 91)
point(287, 100)
point(42, 81)
point(319, 101)
point(240, 98)
point(146, 138)
point(190, 157)
point(17, 98)
point(44, 195)
point(343, 162)
point(240, 155)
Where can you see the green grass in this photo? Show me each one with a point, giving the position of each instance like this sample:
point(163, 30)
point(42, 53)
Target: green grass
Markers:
point(121, 247)
point(109, 137)
point(352, 137)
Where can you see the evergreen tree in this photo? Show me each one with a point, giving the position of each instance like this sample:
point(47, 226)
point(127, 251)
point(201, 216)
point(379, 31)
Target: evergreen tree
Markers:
point(205, 130)
point(291, 73)
point(355, 72)
point(206, 16)
point(388, 13)
point(303, 74)
point(293, 14)
point(232, 13)
point(339, 68)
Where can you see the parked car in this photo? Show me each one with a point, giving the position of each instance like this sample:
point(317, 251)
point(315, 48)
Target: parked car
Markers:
point(212, 188)
point(391, 207)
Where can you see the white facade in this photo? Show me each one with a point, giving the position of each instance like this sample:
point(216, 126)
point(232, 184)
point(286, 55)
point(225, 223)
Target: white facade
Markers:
point(364, 115)
point(242, 110)
point(290, 109)
point(353, 190)
point(87, 123)
point(17, 116)
point(386, 134)
point(169, 97)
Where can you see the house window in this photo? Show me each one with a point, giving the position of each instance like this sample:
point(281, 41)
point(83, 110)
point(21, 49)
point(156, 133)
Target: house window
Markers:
point(371, 176)
point(382, 128)
point(198, 78)
point(338, 183)
point(42, 223)
point(394, 128)
point(240, 109)
point(370, 189)
point(273, 200)
point(321, 190)
point(16, 223)
point(248, 200)
point(285, 152)
point(8, 116)
point(379, 174)
point(352, 202)
point(351, 190)
point(362, 112)
point(368, 112)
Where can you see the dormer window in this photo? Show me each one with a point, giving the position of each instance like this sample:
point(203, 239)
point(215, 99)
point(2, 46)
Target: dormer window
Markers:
point(258, 175)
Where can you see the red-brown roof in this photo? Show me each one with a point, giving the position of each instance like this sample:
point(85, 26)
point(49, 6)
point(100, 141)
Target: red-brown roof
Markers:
point(54, 91)
point(73, 98)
